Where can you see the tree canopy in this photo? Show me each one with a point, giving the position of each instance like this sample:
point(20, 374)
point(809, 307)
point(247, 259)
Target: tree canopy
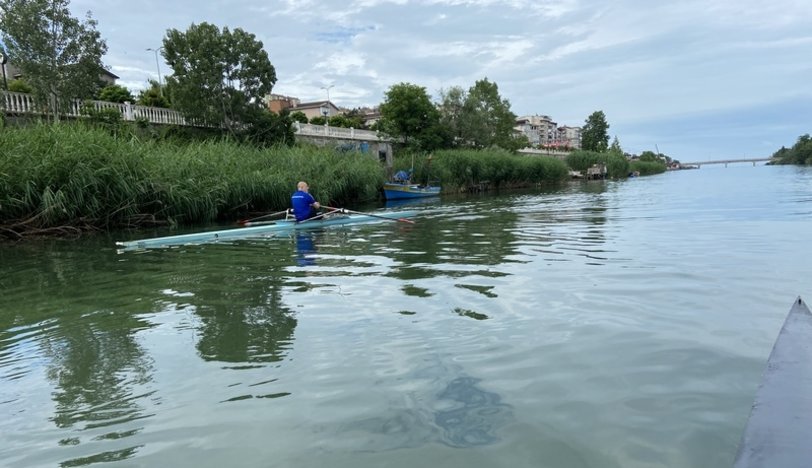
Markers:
point(59, 56)
point(594, 134)
point(115, 93)
point(407, 112)
point(800, 153)
point(218, 77)
point(153, 96)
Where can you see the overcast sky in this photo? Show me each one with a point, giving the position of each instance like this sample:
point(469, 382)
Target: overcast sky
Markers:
point(709, 79)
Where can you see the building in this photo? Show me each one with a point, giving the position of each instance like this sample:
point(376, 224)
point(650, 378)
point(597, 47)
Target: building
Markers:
point(570, 136)
point(542, 131)
point(539, 129)
point(12, 73)
point(277, 103)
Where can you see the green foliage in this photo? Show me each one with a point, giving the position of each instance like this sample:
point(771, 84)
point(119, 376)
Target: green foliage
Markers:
point(263, 128)
point(594, 136)
point(617, 166)
point(20, 86)
point(74, 175)
point(647, 167)
point(463, 168)
point(800, 153)
point(408, 113)
point(217, 76)
point(479, 118)
point(115, 93)
point(59, 56)
point(318, 120)
point(106, 118)
point(486, 119)
point(153, 96)
point(344, 121)
point(649, 156)
point(299, 116)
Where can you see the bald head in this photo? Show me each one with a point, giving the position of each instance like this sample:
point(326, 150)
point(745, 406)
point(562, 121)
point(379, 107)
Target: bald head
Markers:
point(302, 186)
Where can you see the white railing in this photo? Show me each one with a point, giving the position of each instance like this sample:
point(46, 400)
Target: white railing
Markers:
point(336, 132)
point(22, 103)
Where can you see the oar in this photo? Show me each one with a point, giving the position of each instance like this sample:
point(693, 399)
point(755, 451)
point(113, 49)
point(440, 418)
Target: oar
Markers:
point(318, 216)
point(251, 222)
point(344, 210)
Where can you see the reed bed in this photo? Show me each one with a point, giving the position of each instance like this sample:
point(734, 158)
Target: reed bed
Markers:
point(460, 170)
point(66, 177)
point(617, 166)
point(647, 167)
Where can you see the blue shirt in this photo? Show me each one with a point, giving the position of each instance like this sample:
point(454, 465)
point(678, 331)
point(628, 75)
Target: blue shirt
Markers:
point(301, 202)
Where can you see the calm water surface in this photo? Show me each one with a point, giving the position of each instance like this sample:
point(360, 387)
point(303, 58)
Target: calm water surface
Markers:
point(616, 324)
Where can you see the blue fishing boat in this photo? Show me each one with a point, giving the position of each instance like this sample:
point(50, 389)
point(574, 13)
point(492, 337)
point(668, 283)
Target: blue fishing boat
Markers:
point(401, 190)
point(337, 217)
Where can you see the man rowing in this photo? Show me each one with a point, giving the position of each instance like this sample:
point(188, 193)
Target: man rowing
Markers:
point(304, 205)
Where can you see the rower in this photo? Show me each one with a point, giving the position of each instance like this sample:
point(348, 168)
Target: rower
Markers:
point(304, 205)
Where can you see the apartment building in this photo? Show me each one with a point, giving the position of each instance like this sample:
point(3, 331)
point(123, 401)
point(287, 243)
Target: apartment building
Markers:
point(541, 130)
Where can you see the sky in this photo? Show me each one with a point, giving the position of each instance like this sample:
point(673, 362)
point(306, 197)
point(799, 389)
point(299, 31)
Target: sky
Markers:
point(698, 80)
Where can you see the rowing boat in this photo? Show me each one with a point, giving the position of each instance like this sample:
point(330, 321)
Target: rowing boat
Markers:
point(265, 229)
point(399, 191)
point(780, 425)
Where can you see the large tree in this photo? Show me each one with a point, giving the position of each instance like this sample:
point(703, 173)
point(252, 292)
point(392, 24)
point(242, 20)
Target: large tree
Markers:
point(594, 135)
point(59, 56)
point(218, 77)
point(408, 113)
point(479, 117)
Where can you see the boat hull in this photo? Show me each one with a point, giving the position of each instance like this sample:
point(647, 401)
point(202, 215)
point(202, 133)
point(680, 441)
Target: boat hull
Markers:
point(394, 191)
point(777, 433)
point(259, 231)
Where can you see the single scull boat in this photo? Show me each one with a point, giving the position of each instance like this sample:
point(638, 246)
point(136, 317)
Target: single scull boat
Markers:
point(264, 229)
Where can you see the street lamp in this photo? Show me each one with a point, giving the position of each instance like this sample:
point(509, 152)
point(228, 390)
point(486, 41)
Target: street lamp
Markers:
point(3, 60)
point(160, 84)
point(328, 92)
point(325, 111)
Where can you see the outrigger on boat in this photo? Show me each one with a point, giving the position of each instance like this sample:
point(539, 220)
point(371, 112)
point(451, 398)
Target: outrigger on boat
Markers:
point(335, 217)
point(780, 426)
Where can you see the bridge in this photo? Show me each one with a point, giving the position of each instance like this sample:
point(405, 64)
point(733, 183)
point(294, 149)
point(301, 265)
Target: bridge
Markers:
point(726, 161)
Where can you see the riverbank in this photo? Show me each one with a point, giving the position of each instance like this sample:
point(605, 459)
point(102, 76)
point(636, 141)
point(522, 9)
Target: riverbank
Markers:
point(70, 178)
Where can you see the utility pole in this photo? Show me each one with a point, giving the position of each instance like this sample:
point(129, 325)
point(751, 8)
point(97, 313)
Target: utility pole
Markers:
point(160, 84)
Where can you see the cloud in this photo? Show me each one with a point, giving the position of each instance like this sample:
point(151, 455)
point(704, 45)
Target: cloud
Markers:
point(656, 69)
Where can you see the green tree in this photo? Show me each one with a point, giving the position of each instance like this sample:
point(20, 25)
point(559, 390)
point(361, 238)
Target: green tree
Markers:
point(486, 118)
point(615, 148)
point(594, 136)
point(408, 113)
point(218, 77)
point(452, 101)
point(19, 86)
point(299, 116)
point(115, 93)
point(153, 96)
point(800, 153)
point(59, 56)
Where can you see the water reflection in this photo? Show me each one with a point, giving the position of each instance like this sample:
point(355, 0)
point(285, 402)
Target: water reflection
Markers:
point(305, 248)
point(461, 414)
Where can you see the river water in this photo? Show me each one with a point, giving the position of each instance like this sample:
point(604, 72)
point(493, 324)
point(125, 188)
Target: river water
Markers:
point(600, 324)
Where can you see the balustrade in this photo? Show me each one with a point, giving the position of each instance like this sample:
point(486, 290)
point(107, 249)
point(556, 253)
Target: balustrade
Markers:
point(24, 104)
